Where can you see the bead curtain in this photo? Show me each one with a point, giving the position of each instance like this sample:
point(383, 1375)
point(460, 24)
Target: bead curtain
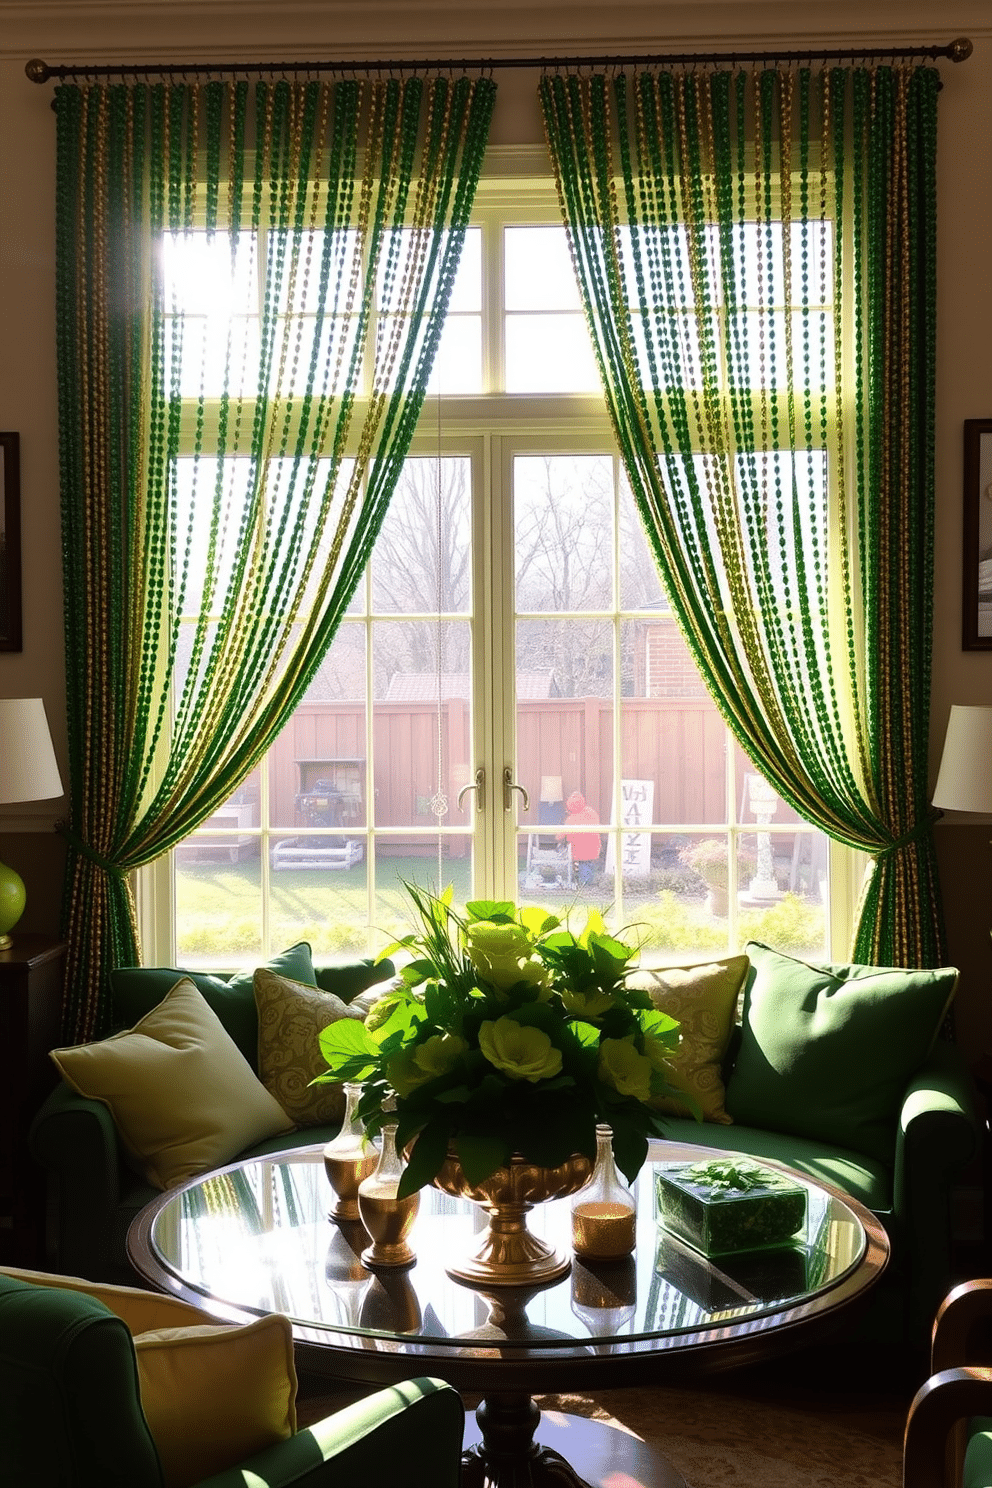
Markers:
point(756, 255)
point(221, 466)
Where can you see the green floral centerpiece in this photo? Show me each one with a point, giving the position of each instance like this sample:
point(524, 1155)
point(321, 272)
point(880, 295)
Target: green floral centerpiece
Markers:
point(506, 1034)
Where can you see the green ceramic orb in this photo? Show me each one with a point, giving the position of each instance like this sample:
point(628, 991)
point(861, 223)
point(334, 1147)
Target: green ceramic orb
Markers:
point(12, 898)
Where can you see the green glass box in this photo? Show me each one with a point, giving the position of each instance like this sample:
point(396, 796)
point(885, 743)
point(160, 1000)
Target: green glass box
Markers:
point(724, 1206)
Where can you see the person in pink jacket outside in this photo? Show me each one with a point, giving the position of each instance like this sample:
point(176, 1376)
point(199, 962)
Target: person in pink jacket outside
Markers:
point(585, 845)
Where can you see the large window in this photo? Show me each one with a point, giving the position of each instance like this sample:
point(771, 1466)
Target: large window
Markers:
point(508, 705)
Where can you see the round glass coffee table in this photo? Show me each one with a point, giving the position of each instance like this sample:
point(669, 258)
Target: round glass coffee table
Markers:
point(255, 1238)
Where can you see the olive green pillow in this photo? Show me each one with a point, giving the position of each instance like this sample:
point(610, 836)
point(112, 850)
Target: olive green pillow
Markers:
point(183, 1097)
point(290, 1018)
point(827, 1051)
point(137, 989)
point(704, 1000)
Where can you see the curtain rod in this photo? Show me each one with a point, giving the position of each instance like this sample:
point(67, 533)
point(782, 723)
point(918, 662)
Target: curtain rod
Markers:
point(40, 72)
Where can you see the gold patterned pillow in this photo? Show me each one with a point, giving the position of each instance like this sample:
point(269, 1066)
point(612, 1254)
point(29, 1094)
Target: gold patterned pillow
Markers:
point(290, 1018)
point(704, 1000)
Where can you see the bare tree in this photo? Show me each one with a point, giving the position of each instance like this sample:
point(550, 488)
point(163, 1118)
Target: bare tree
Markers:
point(422, 566)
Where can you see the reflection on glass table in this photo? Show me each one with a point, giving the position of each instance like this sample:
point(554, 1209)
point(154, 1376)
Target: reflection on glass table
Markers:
point(257, 1238)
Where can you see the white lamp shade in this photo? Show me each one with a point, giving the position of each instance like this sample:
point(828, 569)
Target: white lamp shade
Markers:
point(28, 768)
point(964, 782)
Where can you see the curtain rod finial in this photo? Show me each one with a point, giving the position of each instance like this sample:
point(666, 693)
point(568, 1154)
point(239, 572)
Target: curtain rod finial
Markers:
point(37, 71)
point(960, 50)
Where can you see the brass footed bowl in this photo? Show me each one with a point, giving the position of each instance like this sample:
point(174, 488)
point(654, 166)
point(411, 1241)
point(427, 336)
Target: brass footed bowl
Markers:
point(507, 1253)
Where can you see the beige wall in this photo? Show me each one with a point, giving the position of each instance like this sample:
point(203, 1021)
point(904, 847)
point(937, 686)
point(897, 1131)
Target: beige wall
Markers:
point(136, 30)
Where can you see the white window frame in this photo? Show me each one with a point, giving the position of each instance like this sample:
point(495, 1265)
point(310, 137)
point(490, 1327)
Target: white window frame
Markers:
point(492, 428)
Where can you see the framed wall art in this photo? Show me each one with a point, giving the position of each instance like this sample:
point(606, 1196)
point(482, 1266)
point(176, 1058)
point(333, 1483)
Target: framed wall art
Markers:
point(976, 634)
point(10, 542)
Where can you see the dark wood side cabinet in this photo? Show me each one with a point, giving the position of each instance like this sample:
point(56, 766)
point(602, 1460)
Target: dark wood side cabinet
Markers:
point(31, 974)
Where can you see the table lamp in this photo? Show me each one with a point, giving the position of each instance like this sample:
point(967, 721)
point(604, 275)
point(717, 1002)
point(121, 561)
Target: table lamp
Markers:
point(28, 772)
point(964, 781)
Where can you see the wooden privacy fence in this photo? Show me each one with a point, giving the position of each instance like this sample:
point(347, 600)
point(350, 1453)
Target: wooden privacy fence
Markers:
point(679, 744)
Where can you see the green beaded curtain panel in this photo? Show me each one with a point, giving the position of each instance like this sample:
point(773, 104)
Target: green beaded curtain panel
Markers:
point(252, 282)
point(756, 256)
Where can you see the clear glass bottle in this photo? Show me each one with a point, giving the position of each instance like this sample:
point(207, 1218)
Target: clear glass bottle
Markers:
point(386, 1217)
point(348, 1158)
point(604, 1213)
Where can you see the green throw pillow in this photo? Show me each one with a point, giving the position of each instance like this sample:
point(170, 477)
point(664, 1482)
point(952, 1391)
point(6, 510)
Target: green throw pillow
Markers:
point(827, 1051)
point(138, 989)
point(351, 979)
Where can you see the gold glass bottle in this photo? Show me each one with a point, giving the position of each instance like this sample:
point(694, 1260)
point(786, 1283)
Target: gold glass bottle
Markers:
point(387, 1218)
point(604, 1213)
point(348, 1158)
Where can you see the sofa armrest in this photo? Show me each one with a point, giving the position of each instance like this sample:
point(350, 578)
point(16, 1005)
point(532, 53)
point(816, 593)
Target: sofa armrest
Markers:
point(936, 1139)
point(75, 1140)
point(415, 1427)
point(937, 1133)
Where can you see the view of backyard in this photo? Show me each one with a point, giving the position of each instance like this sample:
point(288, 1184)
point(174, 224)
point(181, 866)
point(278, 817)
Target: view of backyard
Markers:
point(670, 912)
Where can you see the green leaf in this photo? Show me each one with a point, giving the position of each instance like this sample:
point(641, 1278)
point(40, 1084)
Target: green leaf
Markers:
point(426, 1156)
point(561, 1130)
point(345, 1041)
point(536, 1014)
point(454, 1095)
point(587, 1034)
point(630, 1147)
point(480, 1156)
point(538, 922)
point(661, 1027)
point(500, 911)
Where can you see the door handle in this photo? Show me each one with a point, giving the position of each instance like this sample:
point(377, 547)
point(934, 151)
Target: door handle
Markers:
point(509, 786)
point(478, 785)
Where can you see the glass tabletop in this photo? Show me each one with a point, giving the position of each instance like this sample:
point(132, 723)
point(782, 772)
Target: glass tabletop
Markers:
point(256, 1238)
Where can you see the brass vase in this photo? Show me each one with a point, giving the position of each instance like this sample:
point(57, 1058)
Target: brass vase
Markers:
point(507, 1253)
point(348, 1159)
point(387, 1218)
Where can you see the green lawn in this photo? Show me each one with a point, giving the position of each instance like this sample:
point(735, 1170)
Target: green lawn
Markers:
point(219, 912)
point(219, 907)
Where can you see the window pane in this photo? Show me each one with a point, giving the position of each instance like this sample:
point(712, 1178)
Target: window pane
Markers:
point(458, 365)
point(640, 583)
point(317, 768)
point(538, 270)
point(549, 354)
point(422, 563)
point(218, 877)
point(405, 254)
point(411, 859)
point(318, 891)
point(211, 355)
point(421, 722)
point(201, 275)
point(563, 520)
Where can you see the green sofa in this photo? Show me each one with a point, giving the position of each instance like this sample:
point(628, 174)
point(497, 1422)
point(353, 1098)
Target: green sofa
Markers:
point(71, 1415)
point(94, 1190)
point(902, 1167)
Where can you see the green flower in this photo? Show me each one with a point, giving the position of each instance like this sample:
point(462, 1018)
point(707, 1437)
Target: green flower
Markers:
point(404, 1073)
point(415, 1066)
point(621, 1066)
point(504, 955)
point(438, 1054)
point(522, 1053)
point(591, 1004)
